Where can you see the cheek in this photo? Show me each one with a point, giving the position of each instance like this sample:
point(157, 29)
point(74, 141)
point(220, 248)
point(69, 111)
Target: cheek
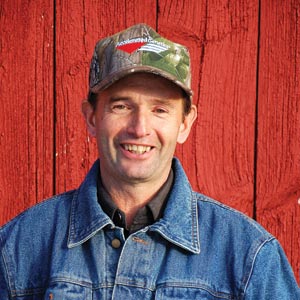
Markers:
point(169, 133)
point(102, 132)
point(108, 131)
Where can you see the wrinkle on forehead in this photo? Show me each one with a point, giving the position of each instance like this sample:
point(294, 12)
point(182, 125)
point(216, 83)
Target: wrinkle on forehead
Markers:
point(147, 84)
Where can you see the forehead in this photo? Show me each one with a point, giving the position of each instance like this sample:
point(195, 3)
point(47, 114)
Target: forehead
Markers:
point(146, 83)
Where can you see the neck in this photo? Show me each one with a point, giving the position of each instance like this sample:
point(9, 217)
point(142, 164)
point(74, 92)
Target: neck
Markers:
point(130, 197)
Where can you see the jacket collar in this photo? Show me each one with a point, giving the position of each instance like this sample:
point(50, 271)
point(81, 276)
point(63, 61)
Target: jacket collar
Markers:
point(87, 216)
point(179, 224)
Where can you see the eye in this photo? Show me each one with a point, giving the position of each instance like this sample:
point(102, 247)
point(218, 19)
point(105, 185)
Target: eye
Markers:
point(160, 110)
point(120, 108)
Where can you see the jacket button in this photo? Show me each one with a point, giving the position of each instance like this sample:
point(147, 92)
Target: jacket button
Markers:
point(116, 243)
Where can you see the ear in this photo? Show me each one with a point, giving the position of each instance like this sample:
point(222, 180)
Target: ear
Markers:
point(186, 125)
point(89, 116)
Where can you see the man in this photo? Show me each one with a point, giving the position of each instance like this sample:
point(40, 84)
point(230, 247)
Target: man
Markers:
point(134, 229)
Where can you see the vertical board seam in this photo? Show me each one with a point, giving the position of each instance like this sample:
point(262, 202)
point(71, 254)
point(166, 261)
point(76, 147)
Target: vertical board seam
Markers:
point(54, 97)
point(255, 162)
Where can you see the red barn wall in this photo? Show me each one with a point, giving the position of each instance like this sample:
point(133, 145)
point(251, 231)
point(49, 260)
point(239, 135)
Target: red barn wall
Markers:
point(244, 148)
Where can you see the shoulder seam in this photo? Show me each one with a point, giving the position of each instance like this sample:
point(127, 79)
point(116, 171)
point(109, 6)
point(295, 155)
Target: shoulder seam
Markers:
point(254, 260)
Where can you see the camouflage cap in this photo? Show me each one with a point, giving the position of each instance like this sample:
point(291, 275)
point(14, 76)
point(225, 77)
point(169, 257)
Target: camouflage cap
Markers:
point(139, 49)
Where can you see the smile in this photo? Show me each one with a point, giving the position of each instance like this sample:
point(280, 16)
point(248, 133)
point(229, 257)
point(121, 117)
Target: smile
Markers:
point(136, 149)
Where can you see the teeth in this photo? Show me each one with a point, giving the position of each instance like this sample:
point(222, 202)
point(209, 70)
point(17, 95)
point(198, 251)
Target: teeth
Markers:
point(137, 149)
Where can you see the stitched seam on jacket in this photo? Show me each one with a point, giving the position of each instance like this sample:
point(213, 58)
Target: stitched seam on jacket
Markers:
point(254, 261)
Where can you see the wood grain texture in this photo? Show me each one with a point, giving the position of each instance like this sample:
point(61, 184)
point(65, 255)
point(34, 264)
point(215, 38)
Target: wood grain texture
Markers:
point(87, 22)
point(278, 163)
point(26, 93)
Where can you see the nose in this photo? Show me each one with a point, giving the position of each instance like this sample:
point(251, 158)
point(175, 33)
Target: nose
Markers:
point(139, 123)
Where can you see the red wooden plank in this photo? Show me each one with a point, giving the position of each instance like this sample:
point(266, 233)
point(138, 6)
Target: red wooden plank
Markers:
point(222, 37)
point(87, 22)
point(26, 109)
point(278, 180)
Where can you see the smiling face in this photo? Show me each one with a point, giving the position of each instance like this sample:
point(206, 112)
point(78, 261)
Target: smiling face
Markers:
point(137, 123)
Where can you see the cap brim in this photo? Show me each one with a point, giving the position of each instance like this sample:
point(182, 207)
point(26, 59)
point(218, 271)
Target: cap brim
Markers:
point(114, 77)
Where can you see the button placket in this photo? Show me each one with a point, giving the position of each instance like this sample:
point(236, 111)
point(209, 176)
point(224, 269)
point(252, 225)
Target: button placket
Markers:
point(138, 272)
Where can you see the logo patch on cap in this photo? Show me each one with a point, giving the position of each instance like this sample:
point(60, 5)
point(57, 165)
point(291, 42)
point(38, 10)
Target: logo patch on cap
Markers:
point(142, 44)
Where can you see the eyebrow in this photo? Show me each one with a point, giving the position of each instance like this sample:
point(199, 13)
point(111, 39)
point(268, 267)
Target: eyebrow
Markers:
point(113, 99)
point(156, 101)
point(168, 102)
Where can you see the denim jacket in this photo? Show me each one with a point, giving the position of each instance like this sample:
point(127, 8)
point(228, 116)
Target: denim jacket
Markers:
point(66, 248)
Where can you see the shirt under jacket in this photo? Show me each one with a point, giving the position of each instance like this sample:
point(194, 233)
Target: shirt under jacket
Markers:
point(145, 216)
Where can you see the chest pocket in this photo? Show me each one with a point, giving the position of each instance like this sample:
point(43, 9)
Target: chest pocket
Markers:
point(68, 291)
point(181, 293)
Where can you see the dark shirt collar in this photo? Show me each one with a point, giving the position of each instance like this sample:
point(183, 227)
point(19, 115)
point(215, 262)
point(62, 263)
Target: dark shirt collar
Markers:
point(158, 202)
point(147, 215)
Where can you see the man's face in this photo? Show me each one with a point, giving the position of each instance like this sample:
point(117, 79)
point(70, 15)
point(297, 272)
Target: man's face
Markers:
point(137, 123)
